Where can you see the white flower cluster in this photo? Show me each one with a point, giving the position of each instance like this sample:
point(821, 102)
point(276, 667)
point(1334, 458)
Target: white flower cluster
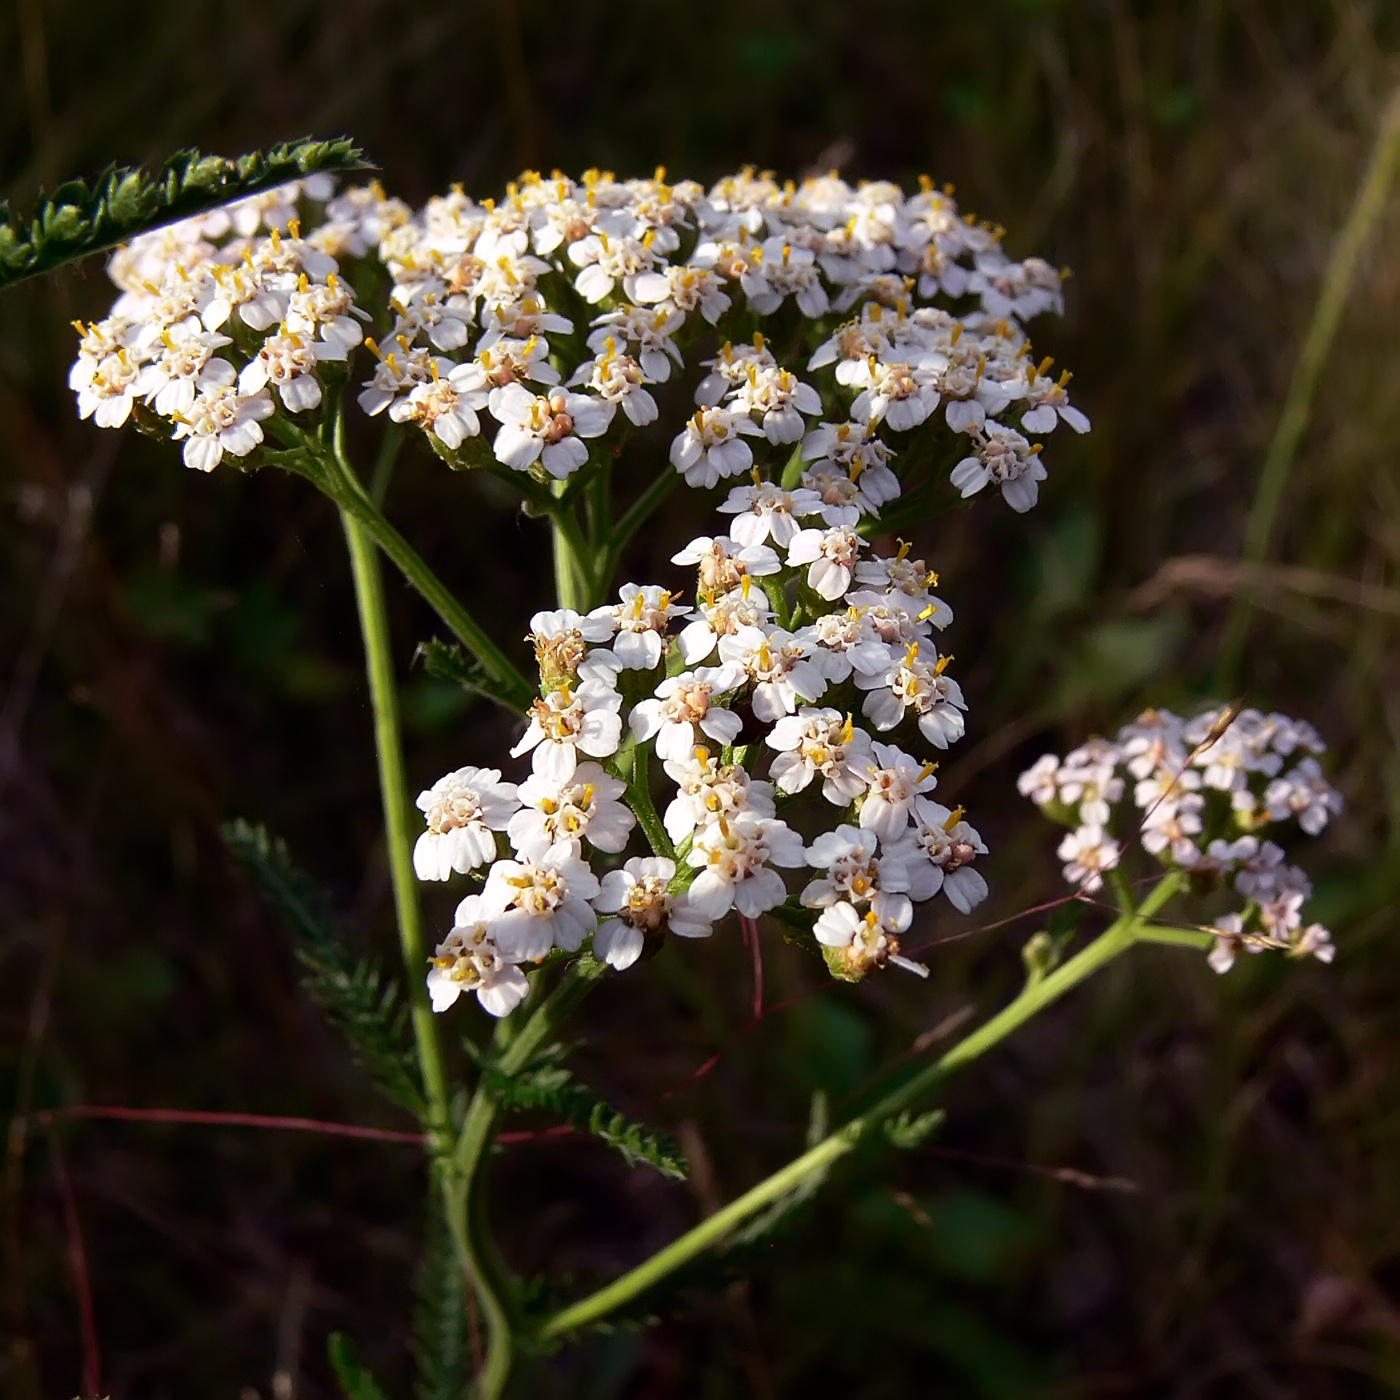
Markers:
point(568, 300)
point(749, 700)
point(552, 309)
point(1204, 788)
point(217, 314)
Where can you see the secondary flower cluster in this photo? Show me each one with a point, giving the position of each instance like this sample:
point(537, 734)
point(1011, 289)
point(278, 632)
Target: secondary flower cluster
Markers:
point(749, 701)
point(1204, 788)
point(217, 314)
point(567, 301)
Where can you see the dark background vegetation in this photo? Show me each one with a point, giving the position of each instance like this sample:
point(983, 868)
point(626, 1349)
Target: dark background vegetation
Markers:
point(178, 650)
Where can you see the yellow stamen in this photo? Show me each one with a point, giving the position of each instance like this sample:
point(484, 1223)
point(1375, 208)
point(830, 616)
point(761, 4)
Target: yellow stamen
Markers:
point(954, 817)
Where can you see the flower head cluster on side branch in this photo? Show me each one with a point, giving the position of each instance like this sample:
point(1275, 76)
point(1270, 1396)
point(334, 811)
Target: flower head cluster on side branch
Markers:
point(1200, 795)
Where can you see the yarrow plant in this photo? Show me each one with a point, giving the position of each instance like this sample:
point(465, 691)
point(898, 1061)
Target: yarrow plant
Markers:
point(753, 739)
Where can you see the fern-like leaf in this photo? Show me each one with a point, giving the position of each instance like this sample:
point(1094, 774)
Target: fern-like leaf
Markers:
point(551, 1087)
point(450, 663)
point(441, 1331)
point(82, 217)
point(363, 1005)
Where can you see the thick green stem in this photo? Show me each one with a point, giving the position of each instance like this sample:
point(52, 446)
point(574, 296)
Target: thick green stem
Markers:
point(711, 1231)
point(374, 627)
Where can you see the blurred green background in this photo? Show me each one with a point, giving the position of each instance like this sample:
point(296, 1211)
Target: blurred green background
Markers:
point(1173, 1185)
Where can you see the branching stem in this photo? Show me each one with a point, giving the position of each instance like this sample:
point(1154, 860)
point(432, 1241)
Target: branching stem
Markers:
point(1119, 937)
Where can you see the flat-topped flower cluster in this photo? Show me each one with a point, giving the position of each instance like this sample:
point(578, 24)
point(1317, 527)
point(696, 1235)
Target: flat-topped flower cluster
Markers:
point(824, 320)
point(749, 699)
point(1197, 794)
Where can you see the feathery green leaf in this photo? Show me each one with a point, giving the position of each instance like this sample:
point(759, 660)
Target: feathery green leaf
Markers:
point(82, 217)
point(547, 1085)
point(363, 1005)
point(441, 1331)
point(450, 663)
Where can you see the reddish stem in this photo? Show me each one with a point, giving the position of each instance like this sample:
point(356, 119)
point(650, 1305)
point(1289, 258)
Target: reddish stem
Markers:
point(232, 1120)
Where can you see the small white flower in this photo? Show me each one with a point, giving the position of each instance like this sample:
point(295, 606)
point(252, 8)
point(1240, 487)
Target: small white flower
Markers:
point(709, 791)
point(777, 400)
point(820, 741)
point(763, 511)
point(539, 903)
point(735, 860)
point(1228, 941)
point(846, 641)
point(1007, 459)
point(893, 782)
point(744, 606)
point(682, 705)
point(856, 869)
point(900, 395)
point(288, 362)
point(711, 446)
point(569, 721)
point(107, 388)
point(724, 565)
point(1305, 794)
point(618, 379)
point(561, 638)
point(870, 938)
point(778, 665)
point(462, 809)
point(1040, 782)
point(639, 898)
point(584, 808)
point(468, 960)
point(1088, 853)
point(914, 683)
point(939, 851)
point(548, 428)
point(832, 555)
point(168, 382)
point(686, 288)
point(221, 419)
point(640, 620)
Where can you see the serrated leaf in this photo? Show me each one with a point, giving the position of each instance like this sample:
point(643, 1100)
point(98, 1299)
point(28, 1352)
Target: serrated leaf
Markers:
point(356, 1379)
point(89, 216)
point(449, 663)
point(910, 1130)
point(548, 1085)
point(363, 1005)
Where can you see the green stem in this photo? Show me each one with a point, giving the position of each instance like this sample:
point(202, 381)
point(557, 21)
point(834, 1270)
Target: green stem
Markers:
point(1342, 268)
point(1035, 998)
point(374, 627)
point(573, 581)
point(632, 520)
point(332, 473)
point(639, 797)
point(463, 1187)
